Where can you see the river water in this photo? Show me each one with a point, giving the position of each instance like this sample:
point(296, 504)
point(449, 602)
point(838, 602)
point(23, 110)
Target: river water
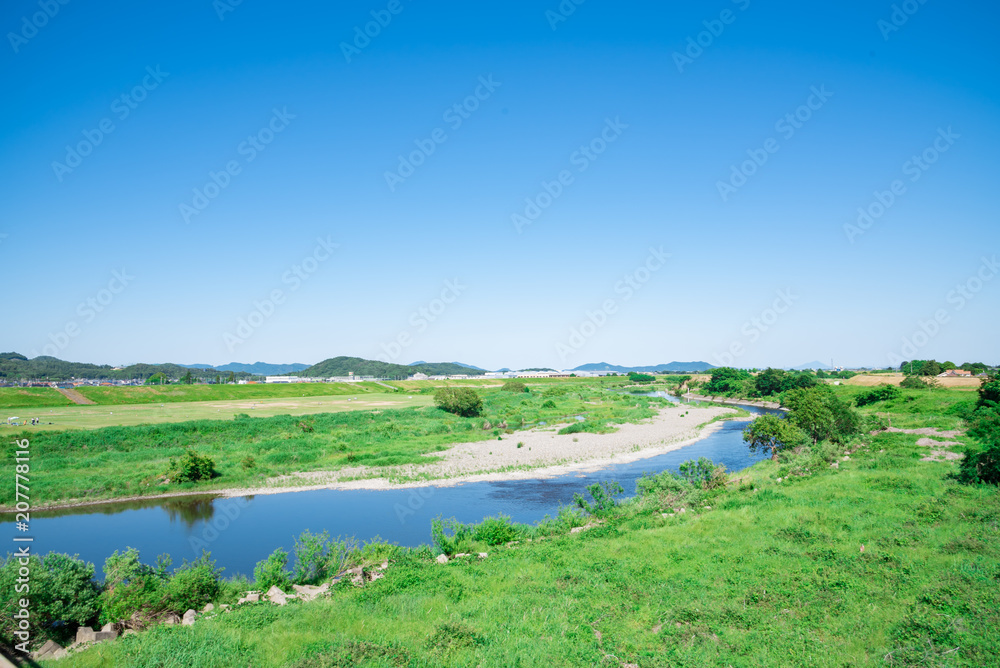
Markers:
point(239, 532)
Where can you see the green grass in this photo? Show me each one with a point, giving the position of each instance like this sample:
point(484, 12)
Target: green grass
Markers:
point(885, 561)
point(31, 397)
point(113, 396)
point(117, 462)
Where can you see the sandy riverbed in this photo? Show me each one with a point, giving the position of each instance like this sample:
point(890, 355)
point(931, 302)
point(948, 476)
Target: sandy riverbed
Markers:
point(543, 453)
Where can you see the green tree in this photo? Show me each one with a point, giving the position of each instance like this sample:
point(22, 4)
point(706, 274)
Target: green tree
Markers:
point(232, 377)
point(272, 571)
point(770, 433)
point(770, 381)
point(514, 386)
point(187, 378)
point(461, 401)
point(640, 377)
point(821, 414)
point(63, 596)
point(728, 381)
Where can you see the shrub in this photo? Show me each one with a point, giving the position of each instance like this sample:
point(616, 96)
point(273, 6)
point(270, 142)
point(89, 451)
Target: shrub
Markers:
point(914, 383)
point(875, 423)
point(272, 571)
point(248, 463)
point(640, 377)
point(317, 557)
point(704, 473)
point(882, 392)
point(191, 467)
point(514, 386)
point(459, 400)
point(603, 494)
point(495, 531)
point(193, 584)
point(459, 540)
point(662, 484)
point(548, 403)
point(63, 596)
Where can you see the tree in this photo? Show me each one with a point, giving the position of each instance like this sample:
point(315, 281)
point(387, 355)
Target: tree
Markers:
point(459, 400)
point(770, 381)
point(187, 378)
point(514, 386)
point(821, 415)
point(232, 377)
point(729, 381)
point(640, 377)
point(773, 434)
point(931, 368)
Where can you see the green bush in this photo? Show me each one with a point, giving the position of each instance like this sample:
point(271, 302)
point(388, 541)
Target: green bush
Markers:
point(514, 386)
point(495, 531)
point(317, 557)
point(603, 494)
point(191, 467)
point(131, 586)
point(63, 596)
point(459, 539)
point(914, 383)
point(773, 434)
point(193, 585)
point(704, 473)
point(459, 400)
point(548, 403)
point(640, 377)
point(272, 571)
point(881, 392)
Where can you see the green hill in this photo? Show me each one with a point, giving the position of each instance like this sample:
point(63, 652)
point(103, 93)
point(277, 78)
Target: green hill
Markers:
point(14, 366)
point(342, 366)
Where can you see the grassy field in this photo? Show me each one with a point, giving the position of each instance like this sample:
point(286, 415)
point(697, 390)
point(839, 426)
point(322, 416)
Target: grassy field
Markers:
point(30, 397)
point(884, 561)
point(96, 417)
point(375, 431)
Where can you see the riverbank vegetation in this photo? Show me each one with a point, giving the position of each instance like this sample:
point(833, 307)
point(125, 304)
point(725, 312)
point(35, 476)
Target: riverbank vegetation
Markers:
point(855, 551)
point(119, 462)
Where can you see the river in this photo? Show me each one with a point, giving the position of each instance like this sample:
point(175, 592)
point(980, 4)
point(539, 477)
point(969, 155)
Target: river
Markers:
point(239, 532)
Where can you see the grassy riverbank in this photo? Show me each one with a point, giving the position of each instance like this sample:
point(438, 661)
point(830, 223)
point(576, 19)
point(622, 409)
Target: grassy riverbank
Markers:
point(120, 462)
point(883, 561)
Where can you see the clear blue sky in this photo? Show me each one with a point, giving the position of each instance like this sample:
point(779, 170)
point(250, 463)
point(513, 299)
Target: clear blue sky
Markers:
point(197, 87)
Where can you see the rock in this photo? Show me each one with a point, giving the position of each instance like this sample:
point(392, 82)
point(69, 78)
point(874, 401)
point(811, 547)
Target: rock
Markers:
point(442, 559)
point(309, 592)
point(189, 617)
point(576, 529)
point(375, 575)
point(241, 601)
point(483, 555)
point(208, 608)
point(461, 554)
point(835, 465)
point(50, 650)
point(683, 510)
point(846, 458)
point(110, 628)
point(666, 514)
point(85, 634)
point(707, 507)
point(384, 565)
point(275, 595)
point(129, 632)
point(170, 619)
point(224, 606)
point(253, 596)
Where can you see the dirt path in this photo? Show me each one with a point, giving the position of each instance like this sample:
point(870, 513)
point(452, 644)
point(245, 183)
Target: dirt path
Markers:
point(75, 397)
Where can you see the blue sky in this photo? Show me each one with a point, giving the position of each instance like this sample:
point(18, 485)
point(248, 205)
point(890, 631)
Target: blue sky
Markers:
point(641, 124)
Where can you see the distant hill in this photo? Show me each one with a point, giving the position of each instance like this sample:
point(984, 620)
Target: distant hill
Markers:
point(812, 365)
point(340, 366)
point(257, 368)
point(16, 367)
point(672, 367)
point(467, 366)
